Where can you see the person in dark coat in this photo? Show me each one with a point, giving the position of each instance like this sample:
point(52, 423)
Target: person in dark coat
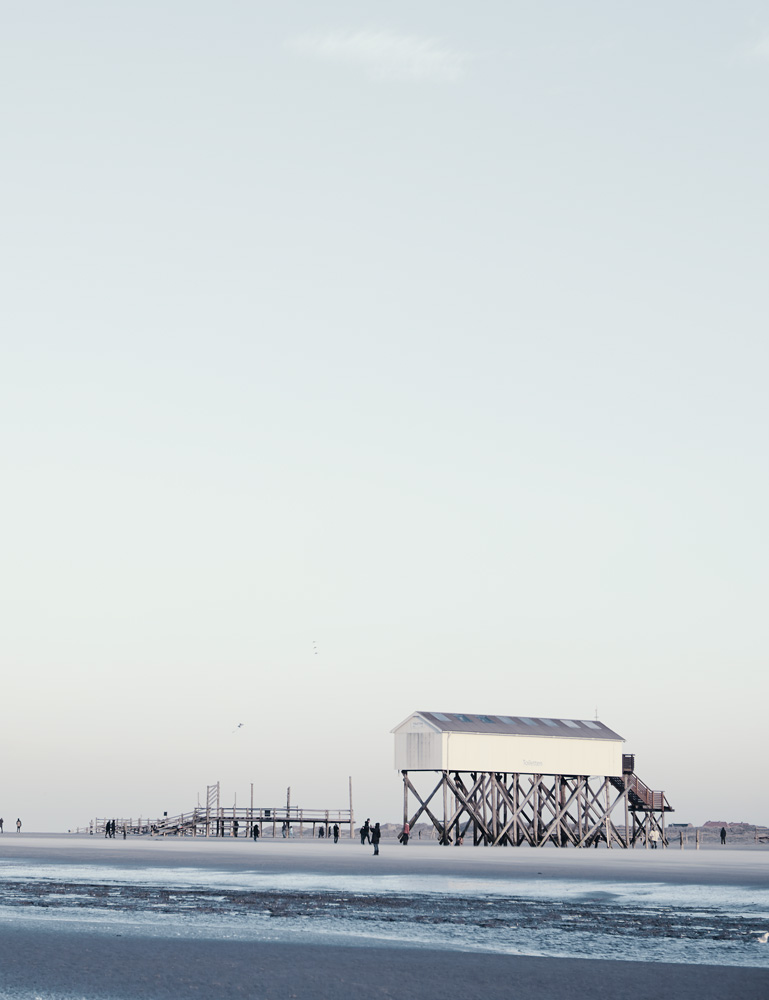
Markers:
point(256, 831)
point(723, 834)
point(235, 827)
point(336, 831)
point(376, 833)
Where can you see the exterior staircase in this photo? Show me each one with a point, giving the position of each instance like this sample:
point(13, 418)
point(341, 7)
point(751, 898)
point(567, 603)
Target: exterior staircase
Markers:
point(641, 797)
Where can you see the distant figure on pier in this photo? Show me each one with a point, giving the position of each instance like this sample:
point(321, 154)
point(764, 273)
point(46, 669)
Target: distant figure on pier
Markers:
point(405, 834)
point(235, 828)
point(320, 831)
point(376, 833)
point(723, 833)
point(1, 825)
point(255, 831)
point(284, 831)
point(336, 831)
point(18, 826)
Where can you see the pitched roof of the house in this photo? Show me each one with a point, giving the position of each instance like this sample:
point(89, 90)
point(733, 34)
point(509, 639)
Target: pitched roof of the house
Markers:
point(520, 725)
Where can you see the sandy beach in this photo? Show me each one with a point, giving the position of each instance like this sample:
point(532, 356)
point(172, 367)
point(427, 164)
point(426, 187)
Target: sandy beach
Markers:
point(712, 866)
point(85, 917)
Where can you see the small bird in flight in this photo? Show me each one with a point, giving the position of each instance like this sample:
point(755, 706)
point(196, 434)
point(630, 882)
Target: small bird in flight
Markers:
point(239, 726)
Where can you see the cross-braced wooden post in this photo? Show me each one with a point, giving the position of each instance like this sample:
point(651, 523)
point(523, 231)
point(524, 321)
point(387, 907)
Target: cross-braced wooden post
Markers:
point(512, 809)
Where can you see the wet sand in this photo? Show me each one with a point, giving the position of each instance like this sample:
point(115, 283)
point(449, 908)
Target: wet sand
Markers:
point(107, 958)
point(91, 967)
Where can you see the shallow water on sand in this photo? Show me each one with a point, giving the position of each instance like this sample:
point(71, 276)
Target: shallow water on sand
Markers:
point(659, 922)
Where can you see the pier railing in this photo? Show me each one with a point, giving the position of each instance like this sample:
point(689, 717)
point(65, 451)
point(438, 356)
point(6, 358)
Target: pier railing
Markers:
point(234, 821)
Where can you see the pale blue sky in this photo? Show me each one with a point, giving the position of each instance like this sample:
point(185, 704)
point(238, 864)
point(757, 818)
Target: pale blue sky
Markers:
point(432, 334)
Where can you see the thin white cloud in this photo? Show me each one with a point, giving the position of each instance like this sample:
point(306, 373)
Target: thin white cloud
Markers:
point(384, 55)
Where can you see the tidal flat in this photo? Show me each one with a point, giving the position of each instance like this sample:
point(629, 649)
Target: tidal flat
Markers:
point(84, 917)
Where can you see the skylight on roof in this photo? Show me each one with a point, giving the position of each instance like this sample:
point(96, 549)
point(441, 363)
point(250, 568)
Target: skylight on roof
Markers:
point(506, 719)
point(462, 718)
point(528, 722)
point(590, 725)
point(441, 716)
point(570, 724)
point(485, 718)
point(549, 722)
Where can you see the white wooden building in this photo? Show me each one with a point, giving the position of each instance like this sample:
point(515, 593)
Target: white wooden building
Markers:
point(451, 741)
point(514, 779)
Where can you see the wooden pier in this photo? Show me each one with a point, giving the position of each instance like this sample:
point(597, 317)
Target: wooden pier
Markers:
point(216, 820)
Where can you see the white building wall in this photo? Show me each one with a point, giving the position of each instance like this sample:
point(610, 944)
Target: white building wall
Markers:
point(532, 754)
point(420, 746)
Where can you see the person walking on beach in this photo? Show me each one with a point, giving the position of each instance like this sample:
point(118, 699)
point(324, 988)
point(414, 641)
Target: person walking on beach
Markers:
point(405, 834)
point(235, 827)
point(376, 833)
point(18, 826)
point(256, 831)
point(365, 832)
point(723, 833)
point(654, 837)
point(336, 831)
point(1, 825)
